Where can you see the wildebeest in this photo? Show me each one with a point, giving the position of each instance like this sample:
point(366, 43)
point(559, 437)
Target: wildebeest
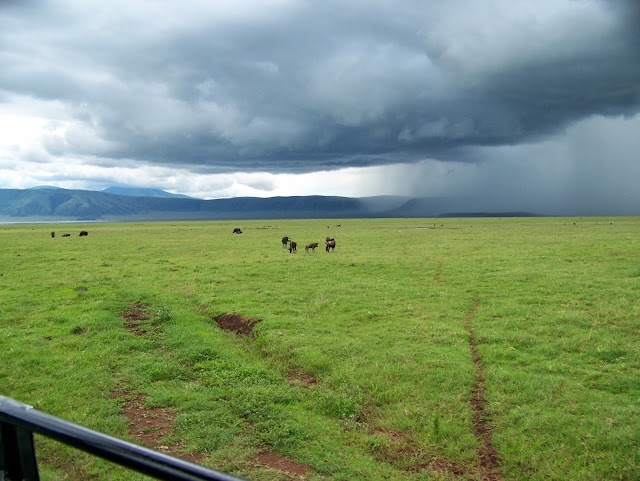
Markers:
point(292, 247)
point(237, 230)
point(53, 234)
point(331, 244)
point(83, 233)
point(285, 241)
point(66, 235)
point(311, 246)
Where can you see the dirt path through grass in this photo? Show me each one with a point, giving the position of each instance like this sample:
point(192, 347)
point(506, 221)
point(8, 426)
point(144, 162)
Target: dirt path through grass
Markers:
point(489, 457)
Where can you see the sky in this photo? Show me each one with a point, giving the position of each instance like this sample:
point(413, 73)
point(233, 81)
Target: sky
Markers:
point(518, 105)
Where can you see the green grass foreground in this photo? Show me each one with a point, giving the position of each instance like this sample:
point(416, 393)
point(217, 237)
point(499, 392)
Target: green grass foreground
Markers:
point(419, 349)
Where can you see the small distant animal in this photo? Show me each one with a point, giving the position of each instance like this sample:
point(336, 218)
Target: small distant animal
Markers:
point(311, 246)
point(285, 241)
point(331, 244)
point(237, 230)
point(53, 234)
point(292, 246)
point(83, 233)
point(66, 235)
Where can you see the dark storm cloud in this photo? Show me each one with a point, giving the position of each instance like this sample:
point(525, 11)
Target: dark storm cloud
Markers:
point(301, 86)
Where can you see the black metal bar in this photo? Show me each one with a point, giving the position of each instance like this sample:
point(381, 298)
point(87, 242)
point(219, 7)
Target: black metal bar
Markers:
point(27, 454)
point(8, 447)
point(147, 461)
point(17, 454)
point(9, 451)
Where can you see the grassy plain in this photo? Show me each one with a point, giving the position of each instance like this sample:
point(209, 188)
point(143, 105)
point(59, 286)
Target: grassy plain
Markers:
point(419, 349)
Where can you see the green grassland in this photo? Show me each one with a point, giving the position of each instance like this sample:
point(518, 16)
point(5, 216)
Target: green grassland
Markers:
point(361, 365)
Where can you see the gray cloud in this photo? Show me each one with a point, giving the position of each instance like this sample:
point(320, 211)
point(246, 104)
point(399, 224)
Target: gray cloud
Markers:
point(469, 94)
point(301, 86)
point(588, 170)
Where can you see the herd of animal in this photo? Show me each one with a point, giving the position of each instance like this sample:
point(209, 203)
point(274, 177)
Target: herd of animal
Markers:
point(82, 234)
point(330, 243)
point(287, 242)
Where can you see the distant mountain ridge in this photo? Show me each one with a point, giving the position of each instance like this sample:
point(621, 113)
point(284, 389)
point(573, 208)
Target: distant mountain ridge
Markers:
point(56, 204)
point(144, 192)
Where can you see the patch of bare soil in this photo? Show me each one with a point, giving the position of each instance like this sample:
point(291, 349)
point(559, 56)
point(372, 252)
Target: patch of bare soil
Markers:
point(237, 323)
point(489, 457)
point(274, 461)
point(299, 377)
point(403, 453)
point(305, 380)
point(150, 426)
point(134, 317)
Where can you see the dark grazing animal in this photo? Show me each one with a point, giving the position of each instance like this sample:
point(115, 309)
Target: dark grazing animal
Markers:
point(285, 241)
point(53, 234)
point(66, 235)
point(292, 247)
point(311, 246)
point(331, 244)
point(83, 233)
point(237, 230)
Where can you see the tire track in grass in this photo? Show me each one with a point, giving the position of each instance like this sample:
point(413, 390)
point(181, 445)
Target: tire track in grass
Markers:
point(150, 426)
point(400, 450)
point(243, 327)
point(438, 273)
point(489, 457)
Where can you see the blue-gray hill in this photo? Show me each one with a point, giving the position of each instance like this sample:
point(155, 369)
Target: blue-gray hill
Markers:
point(65, 204)
point(144, 192)
point(55, 204)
